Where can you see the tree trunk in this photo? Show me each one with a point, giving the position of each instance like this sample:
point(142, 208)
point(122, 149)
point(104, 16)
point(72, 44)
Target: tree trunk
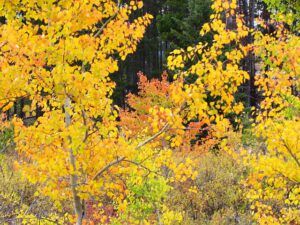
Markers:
point(78, 205)
point(252, 88)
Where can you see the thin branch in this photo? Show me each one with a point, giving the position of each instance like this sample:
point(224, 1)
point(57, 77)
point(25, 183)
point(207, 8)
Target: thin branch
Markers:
point(290, 152)
point(107, 22)
point(286, 177)
point(123, 158)
point(3, 43)
point(118, 160)
point(86, 135)
point(13, 98)
point(165, 128)
point(4, 106)
point(140, 165)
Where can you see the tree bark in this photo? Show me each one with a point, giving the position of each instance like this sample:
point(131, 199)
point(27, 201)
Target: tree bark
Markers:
point(78, 204)
point(252, 88)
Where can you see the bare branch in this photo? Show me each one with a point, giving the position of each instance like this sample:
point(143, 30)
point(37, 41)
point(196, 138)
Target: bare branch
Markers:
point(104, 169)
point(140, 165)
point(84, 118)
point(165, 128)
point(3, 43)
point(108, 20)
point(290, 152)
point(105, 24)
point(123, 158)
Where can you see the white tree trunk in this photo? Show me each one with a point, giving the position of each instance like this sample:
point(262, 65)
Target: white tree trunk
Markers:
point(78, 206)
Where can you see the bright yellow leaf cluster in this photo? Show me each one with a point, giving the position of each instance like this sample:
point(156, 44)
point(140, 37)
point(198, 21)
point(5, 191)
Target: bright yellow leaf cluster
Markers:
point(208, 76)
point(59, 55)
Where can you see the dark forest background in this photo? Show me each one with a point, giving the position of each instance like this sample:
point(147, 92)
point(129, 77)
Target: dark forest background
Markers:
point(176, 24)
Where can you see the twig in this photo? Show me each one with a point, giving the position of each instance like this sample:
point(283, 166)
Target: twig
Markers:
point(118, 160)
point(290, 152)
point(3, 43)
point(107, 21)
point(165, 128)
point(140, 165)
point(123, 158)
